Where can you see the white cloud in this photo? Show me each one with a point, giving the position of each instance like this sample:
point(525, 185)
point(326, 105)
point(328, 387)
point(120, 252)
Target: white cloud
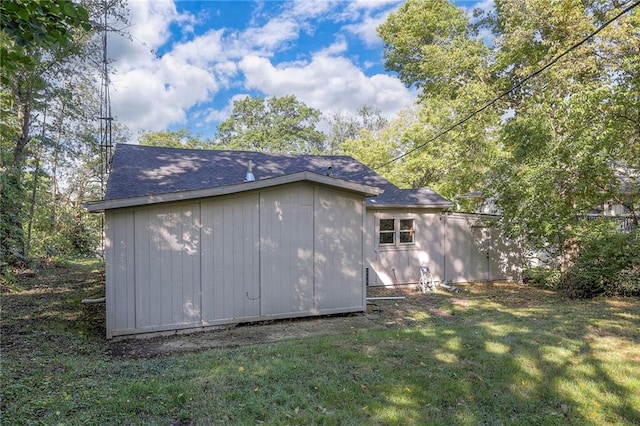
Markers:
point(153, 92)
point(304, 9)
point(202, 50)
point(327, 83)
point(366, 30)
point(271, 35)
point(339, 46)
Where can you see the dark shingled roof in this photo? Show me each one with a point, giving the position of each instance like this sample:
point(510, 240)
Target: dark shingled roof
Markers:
point(145, 170)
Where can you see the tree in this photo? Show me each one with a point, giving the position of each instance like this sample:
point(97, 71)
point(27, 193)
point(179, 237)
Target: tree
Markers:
point(181, 138)
point(344, 127)
point(33, 34)
point(433, 46)
point(283, 125)
point(49, 105)
point(547, 152)
point(566, 136)
point(41, 23)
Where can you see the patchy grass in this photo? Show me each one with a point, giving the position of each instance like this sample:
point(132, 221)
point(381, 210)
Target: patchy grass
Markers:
point(498, 354)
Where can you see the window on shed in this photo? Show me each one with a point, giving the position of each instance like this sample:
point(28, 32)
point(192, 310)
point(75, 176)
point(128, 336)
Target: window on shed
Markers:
point(396, 232)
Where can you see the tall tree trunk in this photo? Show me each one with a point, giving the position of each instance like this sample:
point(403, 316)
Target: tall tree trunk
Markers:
point(12, 241)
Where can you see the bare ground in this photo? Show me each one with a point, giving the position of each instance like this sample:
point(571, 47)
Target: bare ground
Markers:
point(381, 314)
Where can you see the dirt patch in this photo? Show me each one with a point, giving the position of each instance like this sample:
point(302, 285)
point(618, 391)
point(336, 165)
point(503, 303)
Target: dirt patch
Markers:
point(381, 314)
point(245, 334)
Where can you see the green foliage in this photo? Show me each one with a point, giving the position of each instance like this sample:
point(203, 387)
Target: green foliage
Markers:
point(283, 125)
point(541, 277)
point(74, 232)
point(431, 44)
point(607, 264)
point(27, 24)
point(546, 153)
point(48, 155)
point(345, 127)
point(181, 138)
point(12, 250)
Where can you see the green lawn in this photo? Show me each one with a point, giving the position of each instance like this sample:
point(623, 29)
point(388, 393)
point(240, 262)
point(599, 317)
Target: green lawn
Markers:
point(503, 354)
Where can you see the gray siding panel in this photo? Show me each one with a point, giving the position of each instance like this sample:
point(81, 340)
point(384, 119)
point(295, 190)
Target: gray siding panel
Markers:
point(466, 250)
point(286, 250)
point(167, 266)
point(338, 250)
point(120, 267)
point(230, 258)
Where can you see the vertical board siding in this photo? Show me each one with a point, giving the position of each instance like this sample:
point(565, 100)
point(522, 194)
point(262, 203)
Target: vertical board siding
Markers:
point(295, 249)
point(286, 250)
point(230, 258)
point(167, 266)
point(468, 249)
point(120, 271)
point(338, 256)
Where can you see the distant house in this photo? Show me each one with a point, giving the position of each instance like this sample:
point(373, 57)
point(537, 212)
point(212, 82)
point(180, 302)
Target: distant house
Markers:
point(198, 238)
point(623, 209)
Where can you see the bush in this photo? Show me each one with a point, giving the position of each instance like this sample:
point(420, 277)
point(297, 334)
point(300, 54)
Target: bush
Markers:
point(607, 264)
point(541, 277)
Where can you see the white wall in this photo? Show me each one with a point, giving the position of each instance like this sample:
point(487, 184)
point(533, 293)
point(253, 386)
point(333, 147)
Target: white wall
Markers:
point(399, 265)
point(457, 248)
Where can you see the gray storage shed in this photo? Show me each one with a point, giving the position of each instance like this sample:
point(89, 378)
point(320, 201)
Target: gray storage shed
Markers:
point(288, 244)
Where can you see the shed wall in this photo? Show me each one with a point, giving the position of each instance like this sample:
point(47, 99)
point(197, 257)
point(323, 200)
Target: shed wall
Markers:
point(230, 258)
point(148, 250)
point(286, 251)
point(338, 247)
point(457, 248)
point(400, 264)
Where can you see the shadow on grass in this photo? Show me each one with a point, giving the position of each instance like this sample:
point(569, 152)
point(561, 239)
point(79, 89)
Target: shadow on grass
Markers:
point(520, 360)
point(496, 354)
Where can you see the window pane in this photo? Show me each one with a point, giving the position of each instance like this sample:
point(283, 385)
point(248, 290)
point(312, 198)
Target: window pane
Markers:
point(406, 231)
point(406, 237)
point(386, 238)
point(387, 224)
point(406, 224)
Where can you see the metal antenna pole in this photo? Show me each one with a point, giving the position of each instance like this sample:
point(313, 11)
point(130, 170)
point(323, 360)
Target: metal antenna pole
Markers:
point(106, 119)
point(106, 145)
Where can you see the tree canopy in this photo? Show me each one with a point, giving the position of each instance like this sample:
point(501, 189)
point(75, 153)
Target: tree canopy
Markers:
point(49, 156)
point(43, 23)
point(566, 141)
point(278, 124)
point(181, 138)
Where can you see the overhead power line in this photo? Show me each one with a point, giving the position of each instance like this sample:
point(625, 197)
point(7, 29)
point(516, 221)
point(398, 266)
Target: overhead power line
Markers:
point(512, 89)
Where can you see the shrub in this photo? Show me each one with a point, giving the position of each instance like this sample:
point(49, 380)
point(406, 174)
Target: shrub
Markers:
point(607, 264)
point(541, 277)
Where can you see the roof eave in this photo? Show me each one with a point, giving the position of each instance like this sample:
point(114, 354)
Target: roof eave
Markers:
point(102, 205)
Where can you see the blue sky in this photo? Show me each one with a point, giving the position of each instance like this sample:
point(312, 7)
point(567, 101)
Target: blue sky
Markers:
point(186, 61)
